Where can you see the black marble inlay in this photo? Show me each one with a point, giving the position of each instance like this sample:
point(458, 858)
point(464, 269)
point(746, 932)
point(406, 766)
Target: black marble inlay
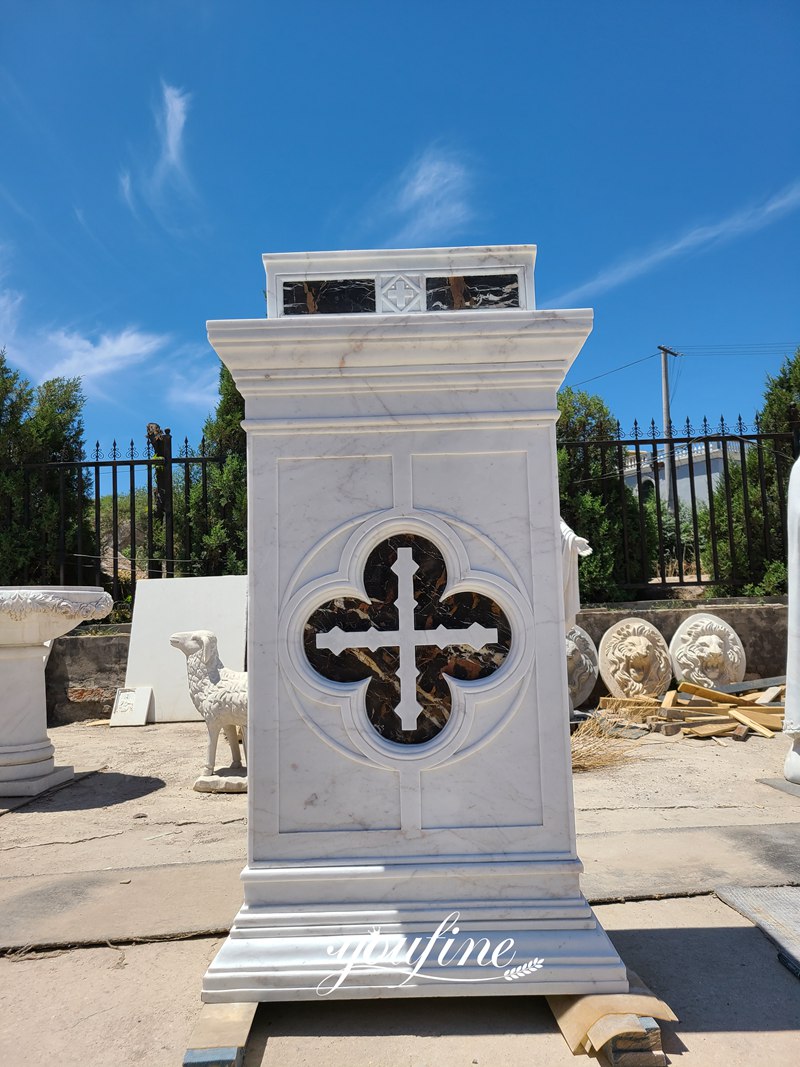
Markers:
point(345, 296)
point(381, 666)
point(475, 291)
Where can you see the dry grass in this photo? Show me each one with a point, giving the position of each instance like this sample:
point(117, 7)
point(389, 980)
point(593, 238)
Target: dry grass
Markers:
point(634, 709)
point(592, 749)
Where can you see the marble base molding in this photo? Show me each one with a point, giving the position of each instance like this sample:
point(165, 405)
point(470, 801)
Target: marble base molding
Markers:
point(481, 947)
point(32, 786)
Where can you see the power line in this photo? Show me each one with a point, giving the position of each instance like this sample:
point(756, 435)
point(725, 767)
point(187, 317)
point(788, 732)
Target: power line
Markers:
point(756, 348)
point(765, 347)
point(624, 366)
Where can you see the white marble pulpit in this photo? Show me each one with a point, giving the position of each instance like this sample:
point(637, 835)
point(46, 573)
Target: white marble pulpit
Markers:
point(411, 825)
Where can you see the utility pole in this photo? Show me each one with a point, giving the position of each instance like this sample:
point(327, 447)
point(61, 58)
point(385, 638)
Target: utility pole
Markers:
point(669, 455)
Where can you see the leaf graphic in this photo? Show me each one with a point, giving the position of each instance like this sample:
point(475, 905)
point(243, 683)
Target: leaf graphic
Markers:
point(523, 969)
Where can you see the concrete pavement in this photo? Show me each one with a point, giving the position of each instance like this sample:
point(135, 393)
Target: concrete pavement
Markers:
point(132, 853)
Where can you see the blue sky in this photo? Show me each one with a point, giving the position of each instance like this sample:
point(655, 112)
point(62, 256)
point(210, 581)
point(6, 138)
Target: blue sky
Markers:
point(153, 151)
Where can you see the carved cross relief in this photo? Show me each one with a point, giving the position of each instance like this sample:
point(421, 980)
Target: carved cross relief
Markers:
point(406, 639)
point(399, 292)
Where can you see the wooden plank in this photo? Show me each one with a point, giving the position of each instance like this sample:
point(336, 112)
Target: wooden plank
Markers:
point(693, 718)
point(717, 695)
point(757, 728)
point(686, 700)
point(220, 1035)
point(713, 730)
point(740, 733)
point(771, 721)
point(669, 698)
point(669, 729)
point(721, 720)
point(769, 695)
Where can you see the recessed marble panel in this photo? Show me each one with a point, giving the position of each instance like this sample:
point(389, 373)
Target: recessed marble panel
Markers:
point(343, 296)
point(472, 291)
point(381, 665)
point(502, 511)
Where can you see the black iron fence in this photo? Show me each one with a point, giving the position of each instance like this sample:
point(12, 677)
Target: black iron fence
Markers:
point(702, 508)
point(122, 515)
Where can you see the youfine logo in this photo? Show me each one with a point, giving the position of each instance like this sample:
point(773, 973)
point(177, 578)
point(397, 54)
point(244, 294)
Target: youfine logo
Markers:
point(432, 958)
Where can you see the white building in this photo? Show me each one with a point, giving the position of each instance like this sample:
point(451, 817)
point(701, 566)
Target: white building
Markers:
point(706, 466)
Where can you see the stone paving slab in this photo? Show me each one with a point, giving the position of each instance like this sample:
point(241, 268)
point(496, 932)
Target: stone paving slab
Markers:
point(177, 899)
point(635, 864)
point(138, 1005)
point(120, 905)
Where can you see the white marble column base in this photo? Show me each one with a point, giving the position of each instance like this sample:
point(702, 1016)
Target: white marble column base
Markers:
point(31, 787)
point(791, 768)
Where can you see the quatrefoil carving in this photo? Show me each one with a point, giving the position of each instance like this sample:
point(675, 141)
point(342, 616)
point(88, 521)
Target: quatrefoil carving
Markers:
point(406, 639)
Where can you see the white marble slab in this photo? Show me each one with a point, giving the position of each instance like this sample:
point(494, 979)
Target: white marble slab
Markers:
point(166, 605)
point(132, 707)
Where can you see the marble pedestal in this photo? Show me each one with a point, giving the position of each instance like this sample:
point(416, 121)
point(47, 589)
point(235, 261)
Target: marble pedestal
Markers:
point(29, 618)
point(791, 721)
point(410, 828)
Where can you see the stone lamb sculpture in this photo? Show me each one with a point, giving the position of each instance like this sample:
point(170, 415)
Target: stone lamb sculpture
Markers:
point(218, 693)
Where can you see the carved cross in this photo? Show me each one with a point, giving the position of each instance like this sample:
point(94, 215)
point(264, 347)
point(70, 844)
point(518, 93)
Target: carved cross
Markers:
point(400, 294)
point(407, 638)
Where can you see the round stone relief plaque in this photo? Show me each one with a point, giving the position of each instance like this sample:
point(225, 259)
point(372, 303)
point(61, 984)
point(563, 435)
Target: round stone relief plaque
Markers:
point(634, 660)
point(582, 667)
point(707, 651)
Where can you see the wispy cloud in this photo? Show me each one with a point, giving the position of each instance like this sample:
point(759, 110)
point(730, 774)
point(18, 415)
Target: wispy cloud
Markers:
point(99, 360)
point(430, 201)
point(170, 121)
point(196, 384)
point(165, 187)
point(126, 189)
point(77, 355)
point(744, 221)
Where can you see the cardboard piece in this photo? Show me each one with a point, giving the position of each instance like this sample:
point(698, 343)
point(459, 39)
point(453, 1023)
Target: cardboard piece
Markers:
point(577, 1015)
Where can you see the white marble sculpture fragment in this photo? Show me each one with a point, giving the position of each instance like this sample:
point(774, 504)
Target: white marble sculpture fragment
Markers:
point(707, 651)
point(791, 721)
point(582, 665)
point(30, 619)
point(132, 707)
point(220, 696)
point(410, 827)
point(634, 660)
point(572, 547)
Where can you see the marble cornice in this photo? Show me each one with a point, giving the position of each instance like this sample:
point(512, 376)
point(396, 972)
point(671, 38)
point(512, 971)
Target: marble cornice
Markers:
point(514, 324)
point(431, 351)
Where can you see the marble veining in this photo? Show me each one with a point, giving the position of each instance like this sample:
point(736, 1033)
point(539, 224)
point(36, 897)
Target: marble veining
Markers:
point(344, 296)
point(382, 664)
point(472, 291)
